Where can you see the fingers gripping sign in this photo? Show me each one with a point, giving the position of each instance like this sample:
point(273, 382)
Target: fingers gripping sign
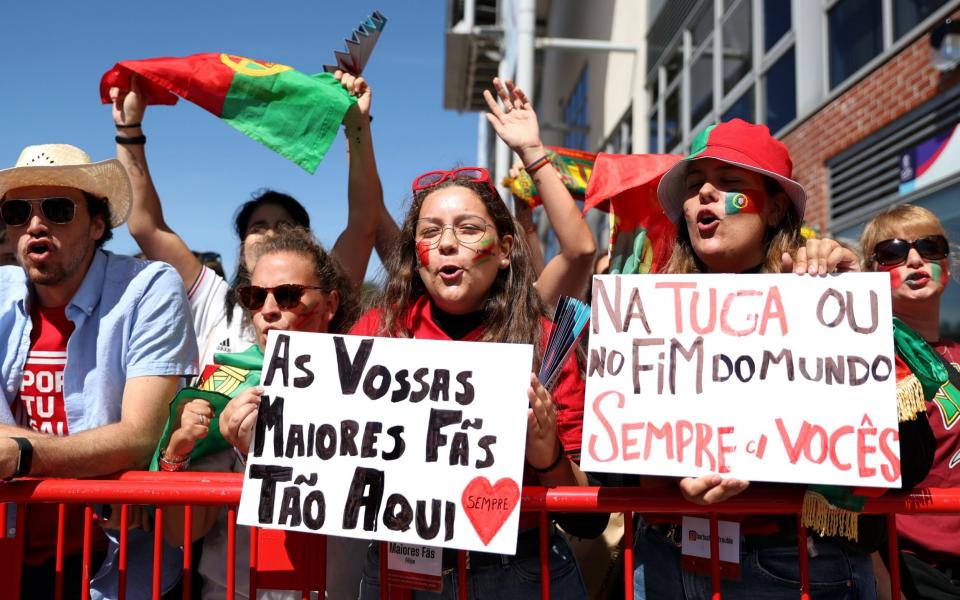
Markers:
point(193, 426)
point(710, 489)
point(819, 257)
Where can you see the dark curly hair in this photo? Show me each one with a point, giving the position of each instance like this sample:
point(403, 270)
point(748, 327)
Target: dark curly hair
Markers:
point(298, 240)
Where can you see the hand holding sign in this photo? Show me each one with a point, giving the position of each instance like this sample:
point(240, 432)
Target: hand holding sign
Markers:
point(542, 441)
point(819, 257)
point(239, 418)
point(710, 489)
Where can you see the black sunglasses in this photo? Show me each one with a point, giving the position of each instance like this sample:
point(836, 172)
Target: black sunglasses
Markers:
point(287, 296)
point(16, 212)
point(893, 252)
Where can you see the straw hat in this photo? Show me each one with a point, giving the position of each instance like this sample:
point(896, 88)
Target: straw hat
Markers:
point(69, 166)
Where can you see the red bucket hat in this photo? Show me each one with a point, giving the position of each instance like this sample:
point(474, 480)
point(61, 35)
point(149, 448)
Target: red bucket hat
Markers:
point(740, 144)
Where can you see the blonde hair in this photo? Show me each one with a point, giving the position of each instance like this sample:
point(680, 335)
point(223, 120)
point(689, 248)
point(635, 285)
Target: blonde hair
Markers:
point(908, 218)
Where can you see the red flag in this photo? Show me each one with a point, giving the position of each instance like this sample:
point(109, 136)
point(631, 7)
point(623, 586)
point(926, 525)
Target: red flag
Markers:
point(641, 235)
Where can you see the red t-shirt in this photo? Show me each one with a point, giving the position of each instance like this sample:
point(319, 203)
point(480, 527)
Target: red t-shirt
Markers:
point(567, 395)
point(936, 538)
point(39, 406)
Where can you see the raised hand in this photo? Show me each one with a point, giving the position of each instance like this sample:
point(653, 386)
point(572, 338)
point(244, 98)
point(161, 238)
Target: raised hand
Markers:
point(543, 445)
point(819, 257)
point(516, 123)
point(356, 86)
point(128, 105)
point(710, 489)
point(239, 417)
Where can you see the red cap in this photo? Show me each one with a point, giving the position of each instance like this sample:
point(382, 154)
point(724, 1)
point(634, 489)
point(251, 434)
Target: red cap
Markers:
point(740, 144)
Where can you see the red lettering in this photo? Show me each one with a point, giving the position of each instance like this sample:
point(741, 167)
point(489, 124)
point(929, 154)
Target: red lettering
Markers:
point(890, 472)
point(711, 319)
point(684, 435)
point(773, 298)
point(666, 433)
point(704, 434)
point(676, 286)
point(611, 434)
point(863, 450)
point(793, 448)
point(834, 440)
point(725, 311)
point(819, 431)
point(722, 450)
point(628, 441)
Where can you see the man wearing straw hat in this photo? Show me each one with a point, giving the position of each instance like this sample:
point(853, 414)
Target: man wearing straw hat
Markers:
point(93, 343)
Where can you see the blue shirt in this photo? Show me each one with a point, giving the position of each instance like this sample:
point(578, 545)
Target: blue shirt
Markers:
point(131, 319)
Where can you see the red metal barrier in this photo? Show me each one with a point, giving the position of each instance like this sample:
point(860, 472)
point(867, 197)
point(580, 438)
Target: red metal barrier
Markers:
point(271, 567)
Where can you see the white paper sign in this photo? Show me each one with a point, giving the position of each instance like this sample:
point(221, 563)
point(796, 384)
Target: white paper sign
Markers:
point(759, 377)
point(399, 440)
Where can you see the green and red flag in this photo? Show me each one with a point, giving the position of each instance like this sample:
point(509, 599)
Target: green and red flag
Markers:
point(574, 167)
point(292, 113)
point(625, 185)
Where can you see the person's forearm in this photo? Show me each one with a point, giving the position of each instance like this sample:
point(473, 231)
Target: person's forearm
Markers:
point(566, 472)
point(364, 199)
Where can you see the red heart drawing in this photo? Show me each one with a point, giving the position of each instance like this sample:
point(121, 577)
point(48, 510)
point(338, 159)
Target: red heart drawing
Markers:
point(488, 506)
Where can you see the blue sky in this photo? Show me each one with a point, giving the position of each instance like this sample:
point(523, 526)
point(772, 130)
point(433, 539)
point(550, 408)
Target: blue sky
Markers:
point(203, 169)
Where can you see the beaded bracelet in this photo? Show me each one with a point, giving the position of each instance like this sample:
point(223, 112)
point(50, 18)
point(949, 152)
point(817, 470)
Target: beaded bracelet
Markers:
point(537, 164)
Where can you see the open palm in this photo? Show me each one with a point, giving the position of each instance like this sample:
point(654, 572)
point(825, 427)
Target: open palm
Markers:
point(516, 122)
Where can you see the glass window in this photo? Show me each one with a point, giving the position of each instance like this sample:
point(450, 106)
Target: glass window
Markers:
point(780, 86)
point(856, 36)
point(737, 46)
point(652, 132)
point(674, 65)
point(742, 108)
point(907, 14)
point(671, 127)
point(703, 26)
point(701, 87)
point(575, 115)
point(776, 21)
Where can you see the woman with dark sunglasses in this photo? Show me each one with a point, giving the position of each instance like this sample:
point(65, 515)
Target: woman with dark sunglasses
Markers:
point(295, 286)
point(910, 244)
point(462, 271)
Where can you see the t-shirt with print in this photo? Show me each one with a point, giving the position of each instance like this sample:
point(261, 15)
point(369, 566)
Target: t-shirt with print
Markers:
point(39, 406)
point(936, 538)
point(214, 335)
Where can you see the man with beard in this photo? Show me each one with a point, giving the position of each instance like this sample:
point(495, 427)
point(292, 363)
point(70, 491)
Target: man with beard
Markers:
point(94, 343)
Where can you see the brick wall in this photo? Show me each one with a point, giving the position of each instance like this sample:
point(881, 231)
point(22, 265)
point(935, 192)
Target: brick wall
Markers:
point(902, 83)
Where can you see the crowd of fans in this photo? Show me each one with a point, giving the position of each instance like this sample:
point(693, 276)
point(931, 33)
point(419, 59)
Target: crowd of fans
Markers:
point(98, 344)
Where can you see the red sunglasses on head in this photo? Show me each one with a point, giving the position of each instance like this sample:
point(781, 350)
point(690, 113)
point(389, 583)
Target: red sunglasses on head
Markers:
point(470, 174)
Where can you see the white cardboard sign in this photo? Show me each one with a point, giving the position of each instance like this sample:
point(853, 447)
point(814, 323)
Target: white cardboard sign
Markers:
point(399, 440)
point(759, 377)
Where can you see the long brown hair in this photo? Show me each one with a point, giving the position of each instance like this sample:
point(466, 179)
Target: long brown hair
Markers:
point(785, 237)
point(297, 240)
point(512, 309)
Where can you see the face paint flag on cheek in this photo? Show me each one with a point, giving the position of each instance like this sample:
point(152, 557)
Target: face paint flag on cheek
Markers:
point(939, 271)
point(423, 253)
point(747, 201)
point(896, 279)
point(484, 251)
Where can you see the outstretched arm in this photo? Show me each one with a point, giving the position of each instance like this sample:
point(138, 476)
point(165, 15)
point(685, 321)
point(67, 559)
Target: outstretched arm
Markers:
point(364, 192)
point(146, 223)
point(516, 124)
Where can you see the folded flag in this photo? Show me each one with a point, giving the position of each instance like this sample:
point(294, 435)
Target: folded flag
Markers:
point(625, 185)
point(569, 323)
point(292, 113)
point(235, 373)
point(574, 167)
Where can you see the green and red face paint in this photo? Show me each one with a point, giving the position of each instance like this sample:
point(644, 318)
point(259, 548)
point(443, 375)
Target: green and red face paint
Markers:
point(485, 248)
point(938, 272)
point(743, 202)
point(423, 253)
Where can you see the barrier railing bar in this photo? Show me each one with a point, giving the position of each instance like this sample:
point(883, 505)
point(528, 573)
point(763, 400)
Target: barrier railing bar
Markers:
point(715, 555)
point(321, 559)
point(87, 551)
point(187, 550)
point(231, 552)
point(384, 589)
point(804, 555)
point(157, 550)
point(628, 553)
point(124, 529)
point(544, 557)
point(61, 536)
point(254, 560)
point(464, 587)
point(894, 554)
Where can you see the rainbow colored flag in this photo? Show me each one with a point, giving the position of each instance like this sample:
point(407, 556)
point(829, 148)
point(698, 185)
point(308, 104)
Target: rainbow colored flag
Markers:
point(641, 235)
point(574, 166)
point(292, 113)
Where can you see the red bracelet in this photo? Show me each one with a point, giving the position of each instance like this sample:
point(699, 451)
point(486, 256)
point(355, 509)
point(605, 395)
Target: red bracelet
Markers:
point(537, 164)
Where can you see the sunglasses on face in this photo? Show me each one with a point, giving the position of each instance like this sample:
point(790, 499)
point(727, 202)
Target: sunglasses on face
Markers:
point(287, 296)
point(16, 212)
point(894, 252)
point(468, 174)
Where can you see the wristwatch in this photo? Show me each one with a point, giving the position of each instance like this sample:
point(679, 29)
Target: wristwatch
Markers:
point(24, 458)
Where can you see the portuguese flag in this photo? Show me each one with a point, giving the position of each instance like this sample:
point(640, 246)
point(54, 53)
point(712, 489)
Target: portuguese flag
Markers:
point(574, 167)
point(294, 114)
